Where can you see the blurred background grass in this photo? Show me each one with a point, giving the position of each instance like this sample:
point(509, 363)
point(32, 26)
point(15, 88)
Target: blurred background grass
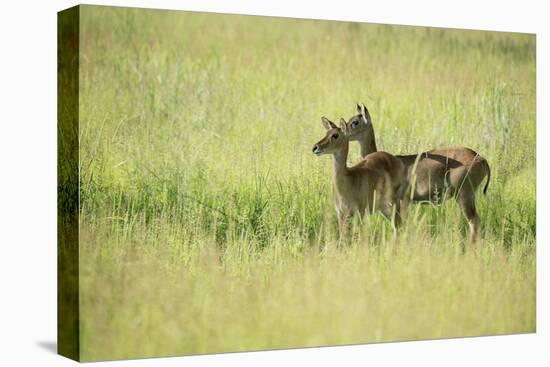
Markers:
point(207, 224)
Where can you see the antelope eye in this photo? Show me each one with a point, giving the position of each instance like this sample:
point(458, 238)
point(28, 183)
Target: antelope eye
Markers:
point(354, 123)
point(335, 136)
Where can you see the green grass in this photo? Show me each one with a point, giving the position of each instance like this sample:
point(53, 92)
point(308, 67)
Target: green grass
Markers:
point(207, 224)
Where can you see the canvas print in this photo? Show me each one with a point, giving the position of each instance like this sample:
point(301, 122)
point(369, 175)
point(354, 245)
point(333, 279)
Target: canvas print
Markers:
point(237, 183)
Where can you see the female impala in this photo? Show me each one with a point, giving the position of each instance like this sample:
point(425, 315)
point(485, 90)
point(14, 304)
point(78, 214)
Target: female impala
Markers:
point(376, 183)
point(435, 175)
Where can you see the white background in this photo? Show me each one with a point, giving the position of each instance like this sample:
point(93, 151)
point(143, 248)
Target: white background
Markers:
point(28, 182)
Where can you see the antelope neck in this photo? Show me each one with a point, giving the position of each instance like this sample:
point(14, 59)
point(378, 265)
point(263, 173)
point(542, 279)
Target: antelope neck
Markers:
point(368, 143)
point(340, 162)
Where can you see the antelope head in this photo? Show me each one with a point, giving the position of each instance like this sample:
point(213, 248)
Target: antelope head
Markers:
point(335, 139)
point(360, 124)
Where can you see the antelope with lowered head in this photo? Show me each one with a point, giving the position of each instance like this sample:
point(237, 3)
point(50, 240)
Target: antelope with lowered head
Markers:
point(375, 183)
point(433, 176)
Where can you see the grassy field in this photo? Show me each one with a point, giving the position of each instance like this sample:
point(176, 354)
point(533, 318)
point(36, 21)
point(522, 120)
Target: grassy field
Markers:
point(207, 224)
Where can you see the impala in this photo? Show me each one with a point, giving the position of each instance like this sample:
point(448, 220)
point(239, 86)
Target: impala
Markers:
point(435, 175)
point(374, 184)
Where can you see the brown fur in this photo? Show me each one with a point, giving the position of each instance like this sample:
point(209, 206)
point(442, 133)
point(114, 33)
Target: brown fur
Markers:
point(374, 184)
point(436, 175)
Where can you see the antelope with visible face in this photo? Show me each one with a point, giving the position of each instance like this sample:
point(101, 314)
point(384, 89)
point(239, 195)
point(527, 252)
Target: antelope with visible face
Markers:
point(376, 183)
point(435, 175)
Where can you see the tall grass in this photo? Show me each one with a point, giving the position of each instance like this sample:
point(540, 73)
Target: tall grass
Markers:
point(207, 224)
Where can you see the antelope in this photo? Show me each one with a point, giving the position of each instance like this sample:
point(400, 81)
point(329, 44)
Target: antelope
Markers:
point(433, 176)
point(374, 184)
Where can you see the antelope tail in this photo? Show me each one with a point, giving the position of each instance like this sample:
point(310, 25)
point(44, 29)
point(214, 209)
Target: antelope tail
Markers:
point(488, 171)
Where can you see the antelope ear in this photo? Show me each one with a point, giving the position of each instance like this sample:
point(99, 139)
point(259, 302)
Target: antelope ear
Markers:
point(327, 123)
point(359, 110)
point(344, 126)
point(365, 114)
